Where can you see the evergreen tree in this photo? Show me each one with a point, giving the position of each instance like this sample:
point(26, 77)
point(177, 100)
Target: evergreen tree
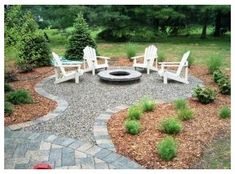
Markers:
point(34, 52)
point(79, 40)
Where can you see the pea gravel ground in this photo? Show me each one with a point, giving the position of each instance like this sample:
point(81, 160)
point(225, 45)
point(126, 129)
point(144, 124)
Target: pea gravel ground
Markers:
point(91, 97)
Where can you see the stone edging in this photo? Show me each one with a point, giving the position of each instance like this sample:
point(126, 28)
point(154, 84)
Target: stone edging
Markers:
point(61, 107)
point(100, 130)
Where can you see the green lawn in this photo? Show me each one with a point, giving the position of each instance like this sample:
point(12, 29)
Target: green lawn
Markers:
point(217, 155)
point(172, 47)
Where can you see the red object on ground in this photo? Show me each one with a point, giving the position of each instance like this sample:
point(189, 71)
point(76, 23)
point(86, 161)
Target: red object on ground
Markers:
point(42, 166)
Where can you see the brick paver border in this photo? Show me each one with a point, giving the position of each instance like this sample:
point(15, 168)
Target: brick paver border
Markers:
point(58, 111)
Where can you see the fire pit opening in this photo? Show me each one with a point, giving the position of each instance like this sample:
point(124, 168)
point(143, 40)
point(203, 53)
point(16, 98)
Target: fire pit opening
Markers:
point(120, 73)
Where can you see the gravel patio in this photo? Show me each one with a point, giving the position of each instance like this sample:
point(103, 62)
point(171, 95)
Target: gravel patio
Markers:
point(91, 97)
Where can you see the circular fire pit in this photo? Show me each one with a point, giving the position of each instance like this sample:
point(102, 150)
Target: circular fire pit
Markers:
point(119, 75)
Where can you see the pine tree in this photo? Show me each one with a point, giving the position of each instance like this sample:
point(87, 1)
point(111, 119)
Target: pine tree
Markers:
point(79, 40)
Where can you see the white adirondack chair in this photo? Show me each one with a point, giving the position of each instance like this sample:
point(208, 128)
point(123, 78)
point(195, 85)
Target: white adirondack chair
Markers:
point(177, 75)
point(149, 56)
point(89, 56)
point(61, 75)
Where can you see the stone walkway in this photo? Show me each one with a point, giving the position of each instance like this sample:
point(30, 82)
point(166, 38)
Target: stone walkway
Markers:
point(25, 149)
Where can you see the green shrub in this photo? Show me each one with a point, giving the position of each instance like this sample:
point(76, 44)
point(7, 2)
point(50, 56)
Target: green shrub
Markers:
point(19, 97)
point(10, 76)
point(34, 52)
point(80, 38)
point(167, 148)
point(134, 112)
point(224, 86)
point(8, 108)
point(161, 57)
point(171, 125)
point(147, 104)
point(132, 127)
point(225, 112)
point(130, 52)
point(7, 88)
point(214, 64)
point(180, 104)
point(204, 95)
point(185, 114)
point(217, 75)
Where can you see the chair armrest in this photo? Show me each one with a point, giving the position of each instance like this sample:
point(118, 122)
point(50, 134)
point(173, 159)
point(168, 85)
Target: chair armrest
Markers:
point(102, 57)
point(137, 57)
point(168, 63)
point(68, 66)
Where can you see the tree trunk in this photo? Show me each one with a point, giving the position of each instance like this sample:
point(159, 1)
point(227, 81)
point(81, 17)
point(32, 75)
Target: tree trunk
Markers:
point(204, 28)
point(217, 32)
point(203, 35)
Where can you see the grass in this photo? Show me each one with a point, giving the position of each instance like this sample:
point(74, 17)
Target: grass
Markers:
point(180, 104)
point(224, 112)
point(172, 47)
point(167, 148)
point(132, 126)
point(171, 125)
point(185, 114)
point(217, 155)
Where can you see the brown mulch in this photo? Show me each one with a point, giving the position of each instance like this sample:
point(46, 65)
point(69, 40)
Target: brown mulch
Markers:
point(120, 61)
point(40, 106)
point(196, 135)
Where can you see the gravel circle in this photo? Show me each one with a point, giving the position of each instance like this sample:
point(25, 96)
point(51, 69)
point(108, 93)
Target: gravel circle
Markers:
point(91, 97)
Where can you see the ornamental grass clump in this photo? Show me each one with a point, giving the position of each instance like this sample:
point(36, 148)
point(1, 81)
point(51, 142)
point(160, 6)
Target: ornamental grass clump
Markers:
point(167, 148)
point(19, 97)
point(171, 125)
point(8, 88)
point(8, 108)
point(180, 104)
point(131, 51)
point(147, 104)
point(134, 112)
point(214, 63)
point(132, 126)
point(161, 57)
point(225, 112)
point(185, 114)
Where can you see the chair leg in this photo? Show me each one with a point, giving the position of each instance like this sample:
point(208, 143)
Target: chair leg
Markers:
point(148, 70)
point(93, 71)
point(165, 79)
point(76, 78)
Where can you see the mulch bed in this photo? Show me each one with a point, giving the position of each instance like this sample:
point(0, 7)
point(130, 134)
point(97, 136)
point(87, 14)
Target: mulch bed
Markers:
point(40, 106)
point(196, 135)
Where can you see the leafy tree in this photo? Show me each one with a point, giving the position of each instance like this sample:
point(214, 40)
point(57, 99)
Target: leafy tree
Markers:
point(221, 14)
point(17, 24)
point(79, 40)
point(206, 14)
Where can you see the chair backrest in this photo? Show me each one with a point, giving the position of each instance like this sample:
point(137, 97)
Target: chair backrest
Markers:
point(58, 62)
point(150, 53)
point(89, 55)
point(183, 62)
